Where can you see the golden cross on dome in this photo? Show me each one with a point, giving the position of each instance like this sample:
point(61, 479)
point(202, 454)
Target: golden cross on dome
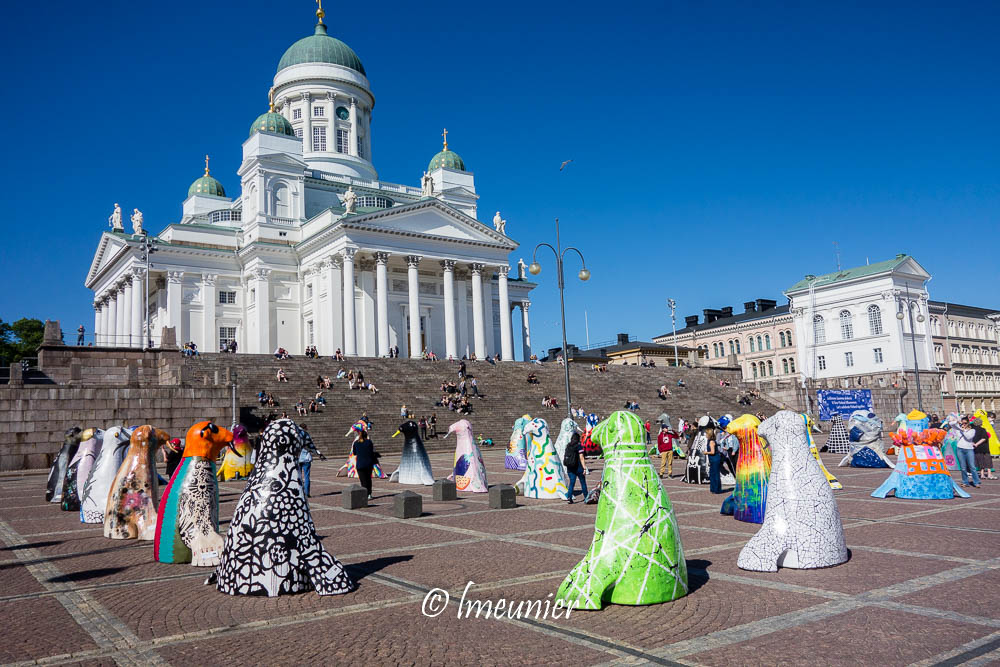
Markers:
point(206, 165)
point(319, 12)
point(445, 135)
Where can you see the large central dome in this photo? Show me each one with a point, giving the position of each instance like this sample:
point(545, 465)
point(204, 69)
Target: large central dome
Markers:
point(321, 48)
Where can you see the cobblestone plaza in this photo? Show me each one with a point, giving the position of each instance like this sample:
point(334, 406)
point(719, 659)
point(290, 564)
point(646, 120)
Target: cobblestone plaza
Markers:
point(918, 588)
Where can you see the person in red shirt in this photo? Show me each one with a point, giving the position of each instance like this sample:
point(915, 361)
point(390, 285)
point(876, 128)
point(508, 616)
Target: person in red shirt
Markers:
point(665, 445)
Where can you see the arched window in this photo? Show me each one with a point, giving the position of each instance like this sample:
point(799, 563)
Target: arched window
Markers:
point(784, 366)
point(754, 368)
point(875, 320)
point(767, 341)
point(788, 337)
point(770, 368)
point(738, 346)
point(819, 329)
point(760, 344)
point(791, 365)
point(281, 203)
point(846, 325)
point(781, 338)
point(732, 347)
point(751, 344)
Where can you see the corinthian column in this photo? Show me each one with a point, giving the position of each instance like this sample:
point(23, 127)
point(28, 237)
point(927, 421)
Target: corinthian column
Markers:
point(350, 330)
point(382, 302)
point(413, 289)
point(506, 334)
point(450, 346)
point(478, 325)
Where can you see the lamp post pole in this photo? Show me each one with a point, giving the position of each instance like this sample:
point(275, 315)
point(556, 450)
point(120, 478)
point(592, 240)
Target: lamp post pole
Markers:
point(910, 303)
point(584, 275)
point(147, 248)
point(673, 325)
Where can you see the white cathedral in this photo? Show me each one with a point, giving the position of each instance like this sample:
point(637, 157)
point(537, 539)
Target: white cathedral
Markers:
point(315, 249)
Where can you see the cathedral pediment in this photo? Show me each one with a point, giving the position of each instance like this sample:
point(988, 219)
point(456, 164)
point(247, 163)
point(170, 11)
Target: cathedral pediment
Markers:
point(430, 219)
point(108, 250)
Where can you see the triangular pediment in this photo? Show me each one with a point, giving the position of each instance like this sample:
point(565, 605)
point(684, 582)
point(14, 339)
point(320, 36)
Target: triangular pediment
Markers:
point(432, 219)
point(108, 249)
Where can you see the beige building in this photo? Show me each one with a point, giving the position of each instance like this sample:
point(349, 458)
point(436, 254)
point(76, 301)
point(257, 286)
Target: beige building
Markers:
point(967, 350)
point(759, 340)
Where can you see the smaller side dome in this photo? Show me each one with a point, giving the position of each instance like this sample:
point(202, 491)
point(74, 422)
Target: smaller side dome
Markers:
point(207, 185)
point(274, 122)
point(446, 158)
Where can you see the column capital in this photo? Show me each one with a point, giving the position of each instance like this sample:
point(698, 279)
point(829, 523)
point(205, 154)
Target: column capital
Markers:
point(349, 253)
point(138, 272)
point(260, 273)
point(382, 258)
point(448, 264)
point(476, 268)
point(796, 312)
point(333, 262)
point(209, 278)
point(306, 97)
point(525, 305)
point(413, 261)
point(98, 305)
point(175, 276)
point(503, 270)
point(123, 284)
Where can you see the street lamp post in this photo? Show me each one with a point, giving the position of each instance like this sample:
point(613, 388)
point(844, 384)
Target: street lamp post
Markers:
point(147, 248)
point(911, 303)
point(583, 275)
point(673, 325)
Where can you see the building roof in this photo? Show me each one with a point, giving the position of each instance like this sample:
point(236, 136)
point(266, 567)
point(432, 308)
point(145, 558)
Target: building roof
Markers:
point(321, 48)
point(961, 310)
point(272, 121)
point(850, 274)
point(448, 159)
point(726, 321)
point(207, 185)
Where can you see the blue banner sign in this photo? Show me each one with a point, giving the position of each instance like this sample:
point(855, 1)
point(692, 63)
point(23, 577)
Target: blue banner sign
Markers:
point(842, 402)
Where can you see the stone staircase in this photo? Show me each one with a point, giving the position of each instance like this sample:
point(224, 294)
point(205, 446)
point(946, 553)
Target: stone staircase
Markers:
point(416, 384)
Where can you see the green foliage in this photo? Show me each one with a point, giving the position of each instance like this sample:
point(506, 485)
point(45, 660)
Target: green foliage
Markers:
point(20, 339)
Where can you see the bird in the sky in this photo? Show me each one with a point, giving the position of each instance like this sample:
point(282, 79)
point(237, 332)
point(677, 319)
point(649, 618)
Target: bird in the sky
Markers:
point(563, 165)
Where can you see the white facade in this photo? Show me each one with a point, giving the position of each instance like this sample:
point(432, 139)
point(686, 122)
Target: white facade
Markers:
point(291, 262)
point(846, 323)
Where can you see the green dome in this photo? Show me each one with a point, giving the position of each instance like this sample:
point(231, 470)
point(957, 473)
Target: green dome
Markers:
point(206, 185)
point(321, 48)
point(272, 122)
point(447, 159)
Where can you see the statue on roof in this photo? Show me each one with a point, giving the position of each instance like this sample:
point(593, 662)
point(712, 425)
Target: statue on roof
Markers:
point(499, 224)
point(521, 266)
point(115, 219)
point(427, 185)
point(137, 221)
point(350, 200)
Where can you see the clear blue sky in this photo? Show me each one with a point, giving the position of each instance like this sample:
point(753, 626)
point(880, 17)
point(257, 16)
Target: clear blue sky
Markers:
point(719, 148)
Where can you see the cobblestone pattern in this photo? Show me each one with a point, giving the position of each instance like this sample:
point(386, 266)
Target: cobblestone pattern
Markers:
point(919, 587)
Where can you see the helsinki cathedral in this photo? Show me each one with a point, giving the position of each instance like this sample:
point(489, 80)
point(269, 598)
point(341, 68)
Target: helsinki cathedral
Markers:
point(314, 249)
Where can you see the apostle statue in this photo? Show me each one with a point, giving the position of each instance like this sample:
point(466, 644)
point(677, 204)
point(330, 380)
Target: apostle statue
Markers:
point(497, 221)
point(115, 220)
point(521, 266)
point(350, 200)
point(427, 185)
point(136, 221)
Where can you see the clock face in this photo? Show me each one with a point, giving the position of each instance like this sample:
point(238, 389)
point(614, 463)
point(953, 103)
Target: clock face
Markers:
point(343, 113)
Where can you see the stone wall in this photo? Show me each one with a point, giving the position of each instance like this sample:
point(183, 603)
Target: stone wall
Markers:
point(33, 418)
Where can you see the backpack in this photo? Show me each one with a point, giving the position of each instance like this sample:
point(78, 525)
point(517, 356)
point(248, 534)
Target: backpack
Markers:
point(571, 459)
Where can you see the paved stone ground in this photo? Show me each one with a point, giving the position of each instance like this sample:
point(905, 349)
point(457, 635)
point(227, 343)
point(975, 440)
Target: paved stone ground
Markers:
point(920, 588)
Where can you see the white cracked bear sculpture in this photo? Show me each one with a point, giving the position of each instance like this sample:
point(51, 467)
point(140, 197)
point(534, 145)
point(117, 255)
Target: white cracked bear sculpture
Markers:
point(802, 527)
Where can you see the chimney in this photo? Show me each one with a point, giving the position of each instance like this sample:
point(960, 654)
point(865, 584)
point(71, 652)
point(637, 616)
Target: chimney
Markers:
point(691, 321)
point(766, 304)
point(749, 306)
point(711, 314)
point(623, 339)
point(727, 311)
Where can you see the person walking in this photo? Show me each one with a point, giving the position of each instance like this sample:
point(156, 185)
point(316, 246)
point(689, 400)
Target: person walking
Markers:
point(365, 459)
point(575, 467)
point(966, 454)
point(982, 450)
point(665, 445)
point(714, 461)
point(305, 458)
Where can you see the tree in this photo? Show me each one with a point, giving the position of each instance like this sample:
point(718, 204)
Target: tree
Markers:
point(20, 339)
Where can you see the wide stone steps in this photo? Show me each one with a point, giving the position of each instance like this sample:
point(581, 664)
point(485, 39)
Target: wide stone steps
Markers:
point(417, 383)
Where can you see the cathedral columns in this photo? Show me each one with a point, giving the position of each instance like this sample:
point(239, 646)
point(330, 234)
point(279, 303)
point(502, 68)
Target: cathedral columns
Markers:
point(105, 319)
point(382, 304)
point(113, 316)
point(138, 289)
point(451, 349)
point(307, 114)
point(413, 287)
point(525, 329)
point(350, 329)
point(478, 326)
point(209, 337)
point(506, 334)
point(261, 288)
point(353, 139)
point(333, 312)
point(125, 311)
point(174, 290)
point(98, 306)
